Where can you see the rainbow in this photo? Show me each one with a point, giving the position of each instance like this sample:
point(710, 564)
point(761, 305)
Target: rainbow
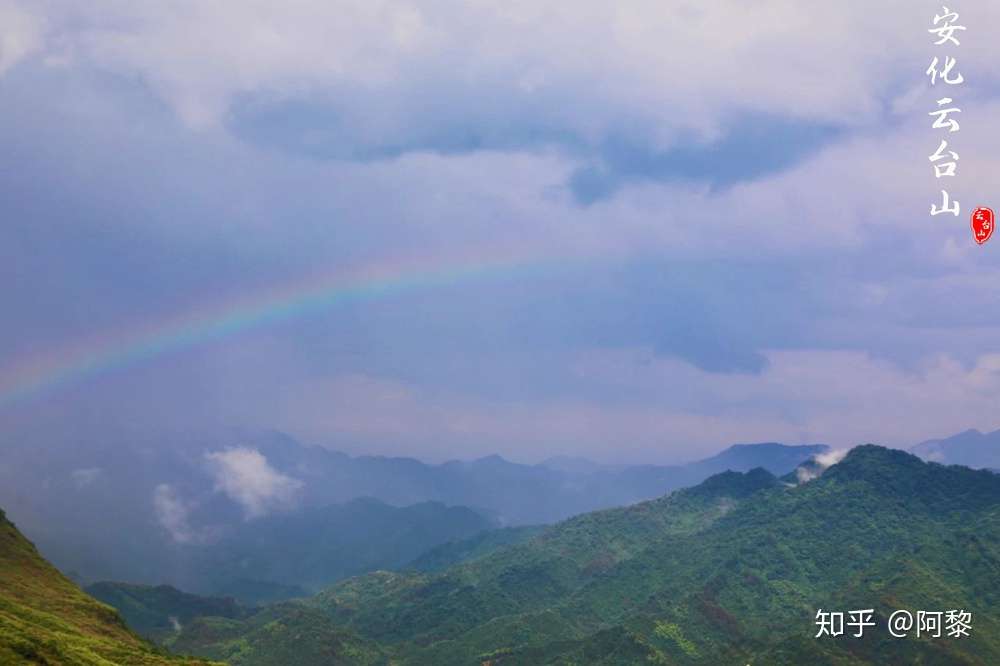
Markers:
point(93, 357)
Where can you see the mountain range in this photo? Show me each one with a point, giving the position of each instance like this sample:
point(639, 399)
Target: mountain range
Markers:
point(733, 570)
point(310, 548)
point(728, 568)
point(970, 448)
point(547, 492)
point(181, 512)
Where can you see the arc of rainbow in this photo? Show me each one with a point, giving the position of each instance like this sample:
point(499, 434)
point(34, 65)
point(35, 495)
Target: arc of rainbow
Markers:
point(76, 363)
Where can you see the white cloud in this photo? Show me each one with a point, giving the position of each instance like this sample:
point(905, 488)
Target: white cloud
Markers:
point(172, 513)
point(676, 65)
point(831, 458)
point(664, 69)
point(820, 464)
point(21, 33)
point(246, 477)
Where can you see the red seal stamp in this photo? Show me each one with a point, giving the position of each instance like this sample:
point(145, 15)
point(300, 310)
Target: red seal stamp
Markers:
point(982, 224)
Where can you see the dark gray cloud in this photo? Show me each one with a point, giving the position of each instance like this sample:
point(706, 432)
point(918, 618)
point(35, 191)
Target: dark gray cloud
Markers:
point(750, 146)
point(741, 239)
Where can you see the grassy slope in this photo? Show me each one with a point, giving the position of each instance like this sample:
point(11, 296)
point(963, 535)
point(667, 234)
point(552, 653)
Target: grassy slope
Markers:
point(47, 619)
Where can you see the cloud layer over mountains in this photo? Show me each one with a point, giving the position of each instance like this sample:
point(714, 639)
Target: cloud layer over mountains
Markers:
point(724, 209)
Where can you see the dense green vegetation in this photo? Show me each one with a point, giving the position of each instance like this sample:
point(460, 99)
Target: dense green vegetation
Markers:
point(159, 612)
point(46, 619)
point(279, 635)
point(731, 571)
point(454, 552)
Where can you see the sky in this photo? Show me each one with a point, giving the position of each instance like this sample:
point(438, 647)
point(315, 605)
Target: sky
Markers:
point(634, 231)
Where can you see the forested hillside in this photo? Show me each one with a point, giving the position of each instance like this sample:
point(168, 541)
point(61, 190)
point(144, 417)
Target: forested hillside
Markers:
point(731, 571)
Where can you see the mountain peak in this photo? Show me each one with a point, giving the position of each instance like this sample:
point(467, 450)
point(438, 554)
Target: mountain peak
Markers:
point(893, 472)
point(867, 454)
point(972, 448)
point(493, 461)
point(770, 455)
point(735, 484)
point(874, 463)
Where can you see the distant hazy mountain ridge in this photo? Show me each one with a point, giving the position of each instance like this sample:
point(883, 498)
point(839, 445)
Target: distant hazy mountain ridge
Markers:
point(186, 511)
point(730, 571)
point(970, 448)
point(316, 546)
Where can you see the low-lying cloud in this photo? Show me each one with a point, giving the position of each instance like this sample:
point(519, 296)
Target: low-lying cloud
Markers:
point(820, 464)
point(246, 477)
point(172, 514)
point(20, 33)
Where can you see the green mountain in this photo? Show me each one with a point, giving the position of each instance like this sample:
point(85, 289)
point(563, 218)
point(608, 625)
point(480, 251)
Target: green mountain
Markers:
point(160, 612)
point(527, 594)
point(455, 552)
point(732, 571)
point(46, 619)
point(534, 574)
point(279, 635)
point(314, 547)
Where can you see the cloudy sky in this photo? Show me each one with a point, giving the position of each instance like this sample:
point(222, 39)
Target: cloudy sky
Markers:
point(632, 231)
